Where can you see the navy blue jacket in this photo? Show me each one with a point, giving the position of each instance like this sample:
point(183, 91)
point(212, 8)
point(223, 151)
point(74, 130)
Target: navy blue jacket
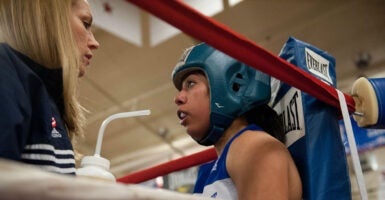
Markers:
point(31, 107)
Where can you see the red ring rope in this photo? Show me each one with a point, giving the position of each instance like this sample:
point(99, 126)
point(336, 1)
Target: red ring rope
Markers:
point(222, 38)
point(172, 166)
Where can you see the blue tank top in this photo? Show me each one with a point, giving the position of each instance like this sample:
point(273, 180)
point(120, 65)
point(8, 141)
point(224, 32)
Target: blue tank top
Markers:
point(214, 180)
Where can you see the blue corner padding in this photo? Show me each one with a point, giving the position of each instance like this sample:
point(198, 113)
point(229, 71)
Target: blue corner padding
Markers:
point(319, 154)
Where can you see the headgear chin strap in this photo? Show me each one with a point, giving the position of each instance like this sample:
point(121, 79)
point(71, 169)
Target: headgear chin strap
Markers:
point(235, 88)
point(216, 129)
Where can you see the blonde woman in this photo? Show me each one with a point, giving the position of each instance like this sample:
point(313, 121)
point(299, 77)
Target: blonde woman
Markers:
point(46, 46)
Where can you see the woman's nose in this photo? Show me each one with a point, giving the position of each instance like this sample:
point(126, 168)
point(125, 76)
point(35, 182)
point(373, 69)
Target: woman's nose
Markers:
point(93, 44)
point(180, 98)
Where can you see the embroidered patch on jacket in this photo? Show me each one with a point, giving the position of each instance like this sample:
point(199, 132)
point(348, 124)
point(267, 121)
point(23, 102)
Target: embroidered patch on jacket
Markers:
point(54, 132)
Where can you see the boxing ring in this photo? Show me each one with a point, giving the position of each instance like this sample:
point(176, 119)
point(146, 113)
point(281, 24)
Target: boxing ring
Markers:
point(222, 38)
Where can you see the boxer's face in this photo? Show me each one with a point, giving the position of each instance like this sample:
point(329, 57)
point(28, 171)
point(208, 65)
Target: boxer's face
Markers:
point(193, 102)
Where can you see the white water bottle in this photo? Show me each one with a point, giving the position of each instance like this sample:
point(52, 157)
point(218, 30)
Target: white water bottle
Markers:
point(95, 167)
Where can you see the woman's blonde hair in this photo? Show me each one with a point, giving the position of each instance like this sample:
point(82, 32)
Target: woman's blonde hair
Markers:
point(41, 29)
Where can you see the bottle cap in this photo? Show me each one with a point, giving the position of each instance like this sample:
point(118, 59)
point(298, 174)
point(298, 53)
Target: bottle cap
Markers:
point(95, 160)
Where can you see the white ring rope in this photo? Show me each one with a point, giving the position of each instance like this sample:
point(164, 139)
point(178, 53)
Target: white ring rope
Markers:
point(352, 146)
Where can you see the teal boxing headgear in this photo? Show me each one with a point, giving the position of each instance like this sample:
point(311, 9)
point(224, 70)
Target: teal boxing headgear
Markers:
point(235, 88)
